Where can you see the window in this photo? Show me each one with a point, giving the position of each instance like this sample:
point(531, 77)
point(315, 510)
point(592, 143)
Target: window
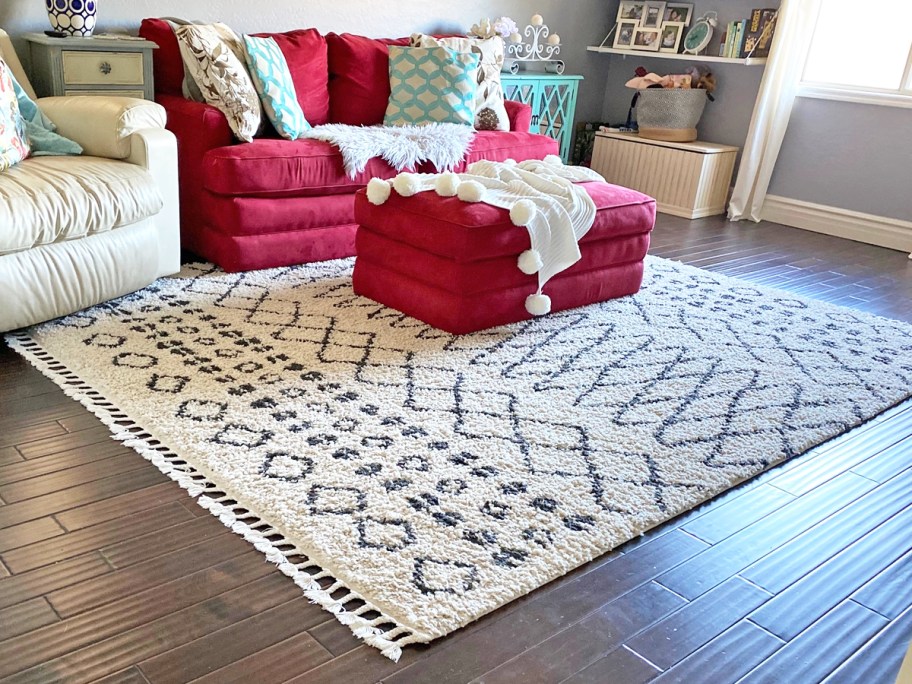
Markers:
point(861, 52)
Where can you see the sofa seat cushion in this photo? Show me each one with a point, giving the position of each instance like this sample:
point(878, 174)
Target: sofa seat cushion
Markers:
point(303, 168)
point(50, 199)
point(472, 232)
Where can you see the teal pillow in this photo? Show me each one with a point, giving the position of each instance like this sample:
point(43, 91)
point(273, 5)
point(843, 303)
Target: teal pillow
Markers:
point(272, 80)
point(431, 85)
point(39, 129)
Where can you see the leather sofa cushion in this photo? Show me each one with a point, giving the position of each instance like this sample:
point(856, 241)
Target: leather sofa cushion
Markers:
point(50, 199)
point(300, 168)
point(306, 52)
point(471, 232)
point(359, 86)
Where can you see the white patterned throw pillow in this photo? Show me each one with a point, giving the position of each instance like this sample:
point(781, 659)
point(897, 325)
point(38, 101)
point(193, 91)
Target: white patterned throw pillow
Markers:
point(490, 113)
point(272, 79)
point(222, 78)
point(431, 85)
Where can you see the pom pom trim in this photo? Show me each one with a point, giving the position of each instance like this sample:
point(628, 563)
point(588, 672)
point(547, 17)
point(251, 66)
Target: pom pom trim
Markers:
point(378, 191)
point(538, 304)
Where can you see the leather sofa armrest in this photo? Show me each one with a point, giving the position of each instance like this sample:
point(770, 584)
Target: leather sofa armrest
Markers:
point(520, 115)
point(102, 125)
point(155, 150)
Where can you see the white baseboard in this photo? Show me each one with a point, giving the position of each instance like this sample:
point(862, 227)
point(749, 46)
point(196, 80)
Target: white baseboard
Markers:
point(853, 225)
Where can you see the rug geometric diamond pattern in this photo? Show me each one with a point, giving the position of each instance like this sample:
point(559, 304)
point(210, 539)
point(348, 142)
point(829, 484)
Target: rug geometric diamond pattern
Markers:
point(411, 481)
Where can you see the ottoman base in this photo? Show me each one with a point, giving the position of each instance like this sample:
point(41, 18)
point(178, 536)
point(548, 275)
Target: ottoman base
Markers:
point(460, 314)
point(454, 264)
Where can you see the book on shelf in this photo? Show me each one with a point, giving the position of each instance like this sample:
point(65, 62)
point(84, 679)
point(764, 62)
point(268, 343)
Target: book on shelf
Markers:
point(723, 44)
point(759, 33)
point(738, 45)
point(729, 39)
point(734, 37)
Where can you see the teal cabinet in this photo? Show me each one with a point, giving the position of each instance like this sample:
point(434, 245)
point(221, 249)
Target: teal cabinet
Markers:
point(553, 101)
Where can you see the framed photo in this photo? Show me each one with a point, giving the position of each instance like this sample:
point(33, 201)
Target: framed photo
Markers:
point(646, 39)
point(652, 14)
point(678, 12)
point(623, 36)
point(672, 31)
point(631, 11)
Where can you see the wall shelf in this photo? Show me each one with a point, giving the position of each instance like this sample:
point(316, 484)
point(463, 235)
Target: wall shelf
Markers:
point(749, 61)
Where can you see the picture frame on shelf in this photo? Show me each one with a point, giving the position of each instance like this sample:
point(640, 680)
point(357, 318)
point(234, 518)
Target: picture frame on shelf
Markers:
point(652, 14)
point(672, 32)
point(678, 12)
point(631, 11)
point(623, 36)
point(646, 39)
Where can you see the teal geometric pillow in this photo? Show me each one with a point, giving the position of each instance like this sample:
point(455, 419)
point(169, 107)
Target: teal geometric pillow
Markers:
point(430, 85)
point(272, 80)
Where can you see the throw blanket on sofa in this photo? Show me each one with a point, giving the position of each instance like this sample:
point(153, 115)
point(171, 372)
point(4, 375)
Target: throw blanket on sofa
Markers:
point(442, 144)
point(542, 196)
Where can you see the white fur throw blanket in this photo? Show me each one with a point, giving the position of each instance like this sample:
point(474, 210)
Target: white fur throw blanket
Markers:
point(403, 147)
point(541, 196)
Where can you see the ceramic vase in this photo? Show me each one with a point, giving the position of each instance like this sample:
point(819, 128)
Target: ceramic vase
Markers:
point(75, 17)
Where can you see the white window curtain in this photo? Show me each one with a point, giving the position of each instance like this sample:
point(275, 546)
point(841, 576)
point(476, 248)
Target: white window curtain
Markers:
point(778, 90)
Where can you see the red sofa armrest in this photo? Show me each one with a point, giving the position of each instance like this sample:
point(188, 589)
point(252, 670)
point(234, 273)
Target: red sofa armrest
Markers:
point(198, 128)
point(520, 115)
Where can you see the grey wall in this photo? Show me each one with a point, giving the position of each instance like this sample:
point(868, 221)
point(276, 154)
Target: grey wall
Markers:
point(727, 119)
point(847, 155)
point(579, 22)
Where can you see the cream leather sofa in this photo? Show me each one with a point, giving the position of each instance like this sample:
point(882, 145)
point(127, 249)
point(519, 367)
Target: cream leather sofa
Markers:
point(76, 231)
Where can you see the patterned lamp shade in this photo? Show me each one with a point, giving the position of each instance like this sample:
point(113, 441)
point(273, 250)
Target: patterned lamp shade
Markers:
point(76, 17)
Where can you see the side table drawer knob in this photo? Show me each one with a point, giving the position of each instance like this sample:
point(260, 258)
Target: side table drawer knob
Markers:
point(105, 68)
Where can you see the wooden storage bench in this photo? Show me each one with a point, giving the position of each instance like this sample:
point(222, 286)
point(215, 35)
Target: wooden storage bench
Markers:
point(687, 179)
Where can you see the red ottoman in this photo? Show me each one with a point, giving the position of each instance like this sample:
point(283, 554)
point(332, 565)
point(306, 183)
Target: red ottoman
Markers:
point(452, 264)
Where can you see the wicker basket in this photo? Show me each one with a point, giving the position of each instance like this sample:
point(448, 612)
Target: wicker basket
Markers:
point(670, 114)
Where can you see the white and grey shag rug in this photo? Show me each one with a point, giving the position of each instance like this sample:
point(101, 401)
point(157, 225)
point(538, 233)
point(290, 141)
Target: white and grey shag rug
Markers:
point(410, 481)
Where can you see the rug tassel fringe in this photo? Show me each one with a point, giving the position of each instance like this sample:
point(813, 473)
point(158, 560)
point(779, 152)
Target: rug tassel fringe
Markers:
point(132, 435)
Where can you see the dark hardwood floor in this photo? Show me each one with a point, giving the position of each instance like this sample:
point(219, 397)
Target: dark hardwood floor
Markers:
point(108, 571)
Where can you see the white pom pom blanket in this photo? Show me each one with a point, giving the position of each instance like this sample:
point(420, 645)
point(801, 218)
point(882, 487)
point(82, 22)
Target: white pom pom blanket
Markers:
point(541, 196)
point(403, 147)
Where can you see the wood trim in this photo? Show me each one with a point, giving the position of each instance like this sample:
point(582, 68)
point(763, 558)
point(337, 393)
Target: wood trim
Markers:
point(852, 225)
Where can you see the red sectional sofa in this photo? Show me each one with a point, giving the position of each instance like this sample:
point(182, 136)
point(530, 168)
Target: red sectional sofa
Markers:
point(276, 202)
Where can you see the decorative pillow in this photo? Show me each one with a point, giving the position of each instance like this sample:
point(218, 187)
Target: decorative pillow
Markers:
point(490, 114)
point(359, 84)
point(306, 53)
point(222, 78)
point(431, 85)
point(14, 146)
point(40, 130)
point(189, 88)
point(273, 83)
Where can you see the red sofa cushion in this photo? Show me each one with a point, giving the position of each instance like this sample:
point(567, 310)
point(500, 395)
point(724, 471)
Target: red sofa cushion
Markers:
point(307, 55)
point(305, 50)
point(299, 168)
point(470, 232)
point(167, 65)
point(359, 78)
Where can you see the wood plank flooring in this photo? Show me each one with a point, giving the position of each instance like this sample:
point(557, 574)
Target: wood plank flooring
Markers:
point(109, 572)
